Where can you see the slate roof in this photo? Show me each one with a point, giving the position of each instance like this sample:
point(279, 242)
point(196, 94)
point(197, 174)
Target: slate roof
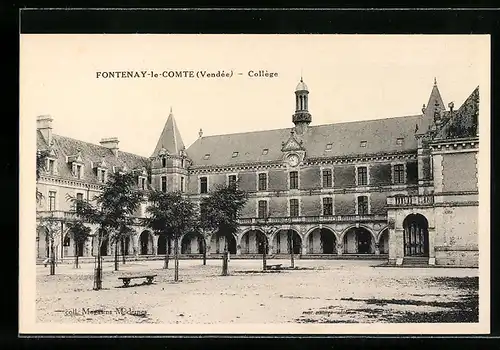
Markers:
point(170, 138)
point(380, 135)
point(463, 123)
point(65, 146)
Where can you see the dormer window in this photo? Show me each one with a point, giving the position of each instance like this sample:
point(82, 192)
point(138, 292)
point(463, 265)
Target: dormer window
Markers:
point(163, 162)
point(207, 156)
point(78, 171)
point(76, 162)
point(142, 182)
point(235, 154)
point(362, 144)
point(265, 151)
point(399, 141)
point(101, 175)
point(328, 147)
point(51, 165)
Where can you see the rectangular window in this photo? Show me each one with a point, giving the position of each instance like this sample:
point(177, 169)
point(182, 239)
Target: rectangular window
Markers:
point(102, 175)
point(164, 184)
point(262, 182)
point(399, 174)
point(143, 183)
point(327, 178)
point(362, 176)
point(78, 171)
point(79, 197)
point(182, 184)
point(328, 206)
point(52, 200)
point(262, 209)
point(203, 185)
point(203, 212)
point(294, 180)
point(51, 167)
point(362, 205)
point(232, 181)
point(265, 151)
point(294, 207)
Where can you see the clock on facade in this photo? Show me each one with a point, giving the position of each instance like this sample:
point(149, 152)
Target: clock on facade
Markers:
point(293, 160)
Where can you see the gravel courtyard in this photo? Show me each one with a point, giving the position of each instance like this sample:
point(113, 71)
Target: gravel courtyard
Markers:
point(318, 291)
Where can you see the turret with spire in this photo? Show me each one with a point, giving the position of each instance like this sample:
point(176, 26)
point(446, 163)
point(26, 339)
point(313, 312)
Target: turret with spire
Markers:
point(169, 159)
point(301, 117)
point(435, 107)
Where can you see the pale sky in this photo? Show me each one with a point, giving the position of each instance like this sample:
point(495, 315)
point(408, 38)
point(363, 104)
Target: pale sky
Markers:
point(349, 78)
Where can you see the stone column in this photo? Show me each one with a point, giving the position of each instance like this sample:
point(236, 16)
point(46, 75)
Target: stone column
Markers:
point(304, 248)
point(340, 248)
point(238, 250)
point(377, 249)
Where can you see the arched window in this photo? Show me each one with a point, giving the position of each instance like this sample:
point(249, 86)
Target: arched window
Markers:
point(67, 241)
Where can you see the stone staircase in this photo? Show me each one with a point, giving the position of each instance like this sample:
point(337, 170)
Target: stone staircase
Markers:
point(416, 261)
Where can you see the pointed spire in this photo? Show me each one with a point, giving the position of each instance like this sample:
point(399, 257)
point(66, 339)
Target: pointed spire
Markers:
point(435, 103)
point(170, 138)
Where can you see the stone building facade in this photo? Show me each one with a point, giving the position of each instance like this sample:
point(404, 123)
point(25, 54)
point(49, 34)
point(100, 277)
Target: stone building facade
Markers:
point(403, 189)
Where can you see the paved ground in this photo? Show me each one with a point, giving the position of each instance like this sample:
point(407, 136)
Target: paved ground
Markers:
point(320, 291)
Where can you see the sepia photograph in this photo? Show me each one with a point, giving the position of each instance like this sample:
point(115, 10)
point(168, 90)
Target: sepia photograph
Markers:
point(254, 183)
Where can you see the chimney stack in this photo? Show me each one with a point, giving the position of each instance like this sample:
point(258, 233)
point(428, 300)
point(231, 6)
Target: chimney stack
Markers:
point(44, 125)
point(111, 143)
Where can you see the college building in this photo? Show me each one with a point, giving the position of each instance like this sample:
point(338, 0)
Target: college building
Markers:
point(401, 189)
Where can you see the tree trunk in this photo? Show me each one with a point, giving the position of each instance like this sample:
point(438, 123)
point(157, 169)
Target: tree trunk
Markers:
point(116, 255)
point(225, 260)
point(52, 257)
point(98, 269)
point(204, 251)
point(123, 251)
point(264, 255)
point(76, 254)
point(292, 258)
point(167, 247)
point(176, 255)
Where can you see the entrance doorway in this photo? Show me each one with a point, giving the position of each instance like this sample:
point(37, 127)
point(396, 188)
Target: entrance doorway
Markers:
point(416, 235)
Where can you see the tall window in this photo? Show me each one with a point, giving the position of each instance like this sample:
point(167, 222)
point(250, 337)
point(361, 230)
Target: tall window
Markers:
point(143, 183)
point(182, 184)
point(399, 174)
point(232, 181)
point(327, 178)
point(294, 180)
point(294, 207)
point(328, 206)
point(52, 200)
point(102, 175)
point(362, 205)
point(203, 211)
point(163, 162)
point(203, 184)
point(164, 184)
point(79, 197)
point(78, 171)
point(262, 182)
point(262, 209)
point(362, 176)
point(50, 169)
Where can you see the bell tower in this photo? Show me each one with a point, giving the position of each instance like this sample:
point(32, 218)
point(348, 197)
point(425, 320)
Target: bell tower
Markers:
point(301, 117)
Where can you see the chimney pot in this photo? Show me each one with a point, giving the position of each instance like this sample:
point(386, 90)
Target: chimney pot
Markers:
point(111, 143)
point(44, 125)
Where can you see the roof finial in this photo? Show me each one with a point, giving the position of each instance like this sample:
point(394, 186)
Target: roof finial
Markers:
point(301, 75)
point(435, 81)
point(170, 109)
point(200, 133)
